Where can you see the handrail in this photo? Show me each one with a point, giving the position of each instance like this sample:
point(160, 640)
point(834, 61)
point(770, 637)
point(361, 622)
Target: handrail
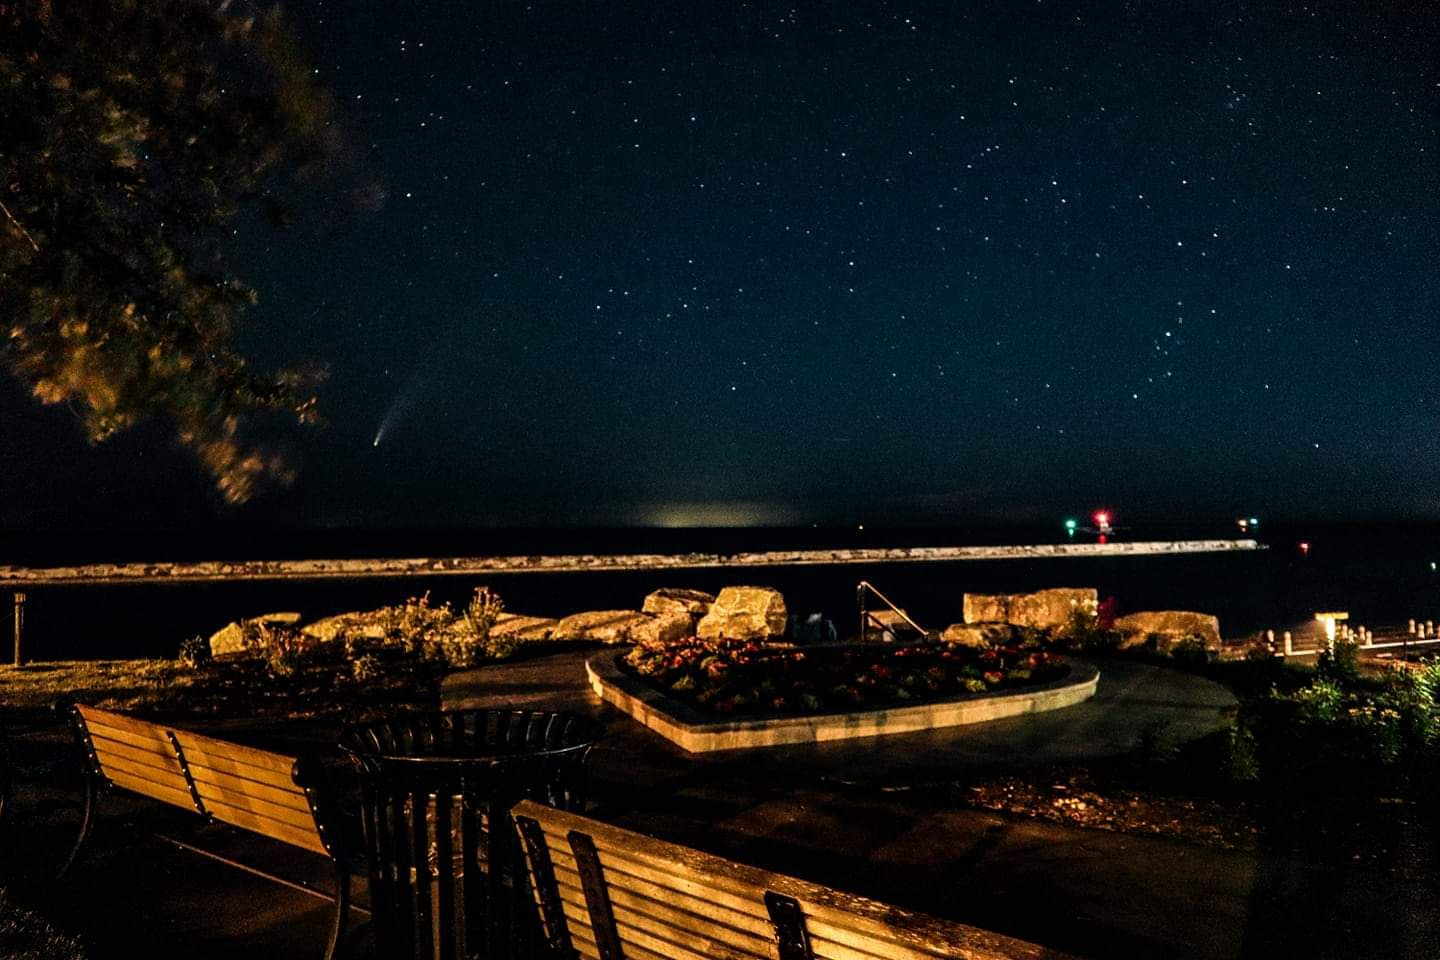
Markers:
point(865, 586)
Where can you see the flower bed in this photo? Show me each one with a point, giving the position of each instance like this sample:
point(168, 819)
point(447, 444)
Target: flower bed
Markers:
point(746, 679)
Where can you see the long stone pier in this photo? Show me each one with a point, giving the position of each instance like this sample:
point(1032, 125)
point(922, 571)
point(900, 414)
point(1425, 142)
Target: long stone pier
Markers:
point(18, 578)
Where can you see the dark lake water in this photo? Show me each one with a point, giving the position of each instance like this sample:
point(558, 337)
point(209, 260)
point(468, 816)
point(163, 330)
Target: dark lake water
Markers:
point(1381, 573)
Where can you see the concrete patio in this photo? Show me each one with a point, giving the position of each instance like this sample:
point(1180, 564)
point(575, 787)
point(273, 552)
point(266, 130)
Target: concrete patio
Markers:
point(865, 816)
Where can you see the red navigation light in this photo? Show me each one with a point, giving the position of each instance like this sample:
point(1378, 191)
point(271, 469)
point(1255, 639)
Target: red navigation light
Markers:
point(1305, 547)
point(1101, 518)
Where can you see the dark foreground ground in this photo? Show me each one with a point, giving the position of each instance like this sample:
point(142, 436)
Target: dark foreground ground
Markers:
point(886, 817)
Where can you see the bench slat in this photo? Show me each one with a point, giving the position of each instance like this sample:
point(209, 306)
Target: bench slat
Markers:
point(234, 753)
point(94, 716)
point(688, 929)
point(230, 767)
point(852, 926)
point(209, 781)
point(271, 811)
point(669, 942)
point(829, 941)
point(266, 827)
point(149, 788)
point(163, 765)
point(164, 779)
point(844, 940)
point(653, 900)
point(156, 743)
point(704, 889)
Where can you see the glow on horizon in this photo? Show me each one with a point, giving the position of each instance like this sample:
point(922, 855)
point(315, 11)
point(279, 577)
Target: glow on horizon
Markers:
point(736, 513)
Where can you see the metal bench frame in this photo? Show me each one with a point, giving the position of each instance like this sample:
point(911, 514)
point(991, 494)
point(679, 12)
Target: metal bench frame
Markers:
point(307, 773)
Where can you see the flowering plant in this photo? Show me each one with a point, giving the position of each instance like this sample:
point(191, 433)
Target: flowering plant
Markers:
point(730, 677)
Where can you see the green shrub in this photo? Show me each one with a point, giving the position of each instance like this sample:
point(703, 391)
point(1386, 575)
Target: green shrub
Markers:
point(366, 668)
point(285, 653)
point(1190, 651)
point(194, 652)
point(1411, 695)
point(1340, 664)
point(1083, 634)
point(1242, 756)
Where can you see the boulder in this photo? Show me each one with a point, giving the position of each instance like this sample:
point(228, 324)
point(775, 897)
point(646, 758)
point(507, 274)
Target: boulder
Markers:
point(744, 613)
point(1169, 626)
point(229, 641)
point(663, 630)
point(603, 626)
point(521, 627)
point(244, 636)
point(1043, 610)
point(981, 636)
point(369, 625)
point(667, 600)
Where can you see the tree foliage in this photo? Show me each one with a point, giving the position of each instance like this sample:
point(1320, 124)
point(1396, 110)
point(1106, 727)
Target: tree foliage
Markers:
point(131, 133)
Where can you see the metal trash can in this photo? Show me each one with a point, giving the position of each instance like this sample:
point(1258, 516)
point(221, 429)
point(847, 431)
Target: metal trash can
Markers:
point(447, 881)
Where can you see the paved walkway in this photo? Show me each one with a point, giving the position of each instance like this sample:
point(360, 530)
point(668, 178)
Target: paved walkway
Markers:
point(859, 816)
point(1133, 703)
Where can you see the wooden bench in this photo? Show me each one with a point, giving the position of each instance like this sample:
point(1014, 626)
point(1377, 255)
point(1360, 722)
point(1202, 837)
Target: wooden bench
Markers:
point(274, 795)
point(610, 894)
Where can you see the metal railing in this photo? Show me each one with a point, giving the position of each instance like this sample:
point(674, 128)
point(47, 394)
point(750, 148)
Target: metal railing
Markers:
point(865, 588)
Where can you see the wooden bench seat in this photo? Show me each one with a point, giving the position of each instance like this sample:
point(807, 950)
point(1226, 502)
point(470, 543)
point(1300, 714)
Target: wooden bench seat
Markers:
point(604, 893)
point(271, 794)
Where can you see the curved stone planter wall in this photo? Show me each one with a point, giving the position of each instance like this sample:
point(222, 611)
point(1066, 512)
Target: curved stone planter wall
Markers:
point(695, 732)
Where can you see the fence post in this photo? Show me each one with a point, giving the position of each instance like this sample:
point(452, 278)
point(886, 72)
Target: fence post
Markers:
point(19, 624)
point(1289, 644)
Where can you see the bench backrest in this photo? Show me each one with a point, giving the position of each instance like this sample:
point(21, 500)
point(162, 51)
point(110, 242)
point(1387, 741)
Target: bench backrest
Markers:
point(239, 785)
point(250, 788)
point(136, 755)
point(669, 901)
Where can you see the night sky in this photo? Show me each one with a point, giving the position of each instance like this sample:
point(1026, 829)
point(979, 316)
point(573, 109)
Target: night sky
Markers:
point(598, 263)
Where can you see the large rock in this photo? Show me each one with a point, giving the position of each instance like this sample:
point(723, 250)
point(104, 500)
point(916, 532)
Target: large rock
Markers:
point(245, 636)
point(744, 613)
point(981, 636)
point(663, 630)
point(670, 600)
point(604, 626)
point(1051, 609)
point(520, 627)
point(1168, 627)
point(368, 625)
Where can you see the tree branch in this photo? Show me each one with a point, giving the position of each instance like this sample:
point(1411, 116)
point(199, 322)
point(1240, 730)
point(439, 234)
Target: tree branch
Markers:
point(20, 226)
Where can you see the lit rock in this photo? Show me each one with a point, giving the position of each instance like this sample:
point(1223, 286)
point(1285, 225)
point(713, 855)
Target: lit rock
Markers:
point(520, 627)
point(1168, 627)
point(669, 600)
point(981, 636)
point(368, 625)
point(246, 636)
point(663, 630)
point(744, 613)
point(1043, 610)
point(604, 626)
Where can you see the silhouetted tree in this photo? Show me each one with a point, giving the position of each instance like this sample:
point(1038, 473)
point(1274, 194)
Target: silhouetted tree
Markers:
point(131, 131)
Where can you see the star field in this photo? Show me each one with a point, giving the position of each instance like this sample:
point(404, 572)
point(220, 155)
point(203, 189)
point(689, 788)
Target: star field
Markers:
point(904, 260)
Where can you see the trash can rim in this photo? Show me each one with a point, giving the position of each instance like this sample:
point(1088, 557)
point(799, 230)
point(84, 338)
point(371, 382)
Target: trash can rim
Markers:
point(588, 729)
